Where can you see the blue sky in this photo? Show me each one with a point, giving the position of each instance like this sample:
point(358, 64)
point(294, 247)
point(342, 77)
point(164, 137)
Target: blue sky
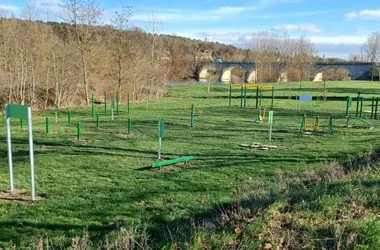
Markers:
point(336, 27)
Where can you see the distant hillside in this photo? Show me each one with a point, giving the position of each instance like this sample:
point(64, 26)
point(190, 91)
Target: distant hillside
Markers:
point(47, 64)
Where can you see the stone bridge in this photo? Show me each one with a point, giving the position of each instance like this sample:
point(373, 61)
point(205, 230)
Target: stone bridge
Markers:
point(357, 70)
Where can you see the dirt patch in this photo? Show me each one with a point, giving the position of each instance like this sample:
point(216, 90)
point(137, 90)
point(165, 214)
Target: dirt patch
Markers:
point(124, 135)
point(46, 147)
point(18, 195)
point(76, 140)
point(165, 169)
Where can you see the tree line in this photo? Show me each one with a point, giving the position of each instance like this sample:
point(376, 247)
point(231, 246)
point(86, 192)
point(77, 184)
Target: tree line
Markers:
point(47, 64)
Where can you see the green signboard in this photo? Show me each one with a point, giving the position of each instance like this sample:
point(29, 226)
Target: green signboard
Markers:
point(17, 111)
point(270, 119)
point(161, 129)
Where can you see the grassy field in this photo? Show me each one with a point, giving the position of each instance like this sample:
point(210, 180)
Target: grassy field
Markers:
point(312, 191)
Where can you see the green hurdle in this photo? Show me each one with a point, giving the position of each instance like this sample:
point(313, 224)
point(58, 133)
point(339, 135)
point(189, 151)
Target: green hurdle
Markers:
point(160, 164)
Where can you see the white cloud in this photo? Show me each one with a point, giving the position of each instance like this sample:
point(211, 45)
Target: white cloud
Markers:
point(173, 15)
point(364, 14)
point(298, 27)
point(9, 8)
point(228, 10)
point(347, 39)
point(48, 2)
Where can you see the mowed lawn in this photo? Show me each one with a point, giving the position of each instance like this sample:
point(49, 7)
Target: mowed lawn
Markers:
point(104, 179)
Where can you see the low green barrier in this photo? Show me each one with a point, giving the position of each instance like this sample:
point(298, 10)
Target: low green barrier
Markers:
point(160, 164)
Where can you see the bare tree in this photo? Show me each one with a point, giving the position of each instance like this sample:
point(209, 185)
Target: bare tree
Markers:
point(83, 15)
point(120, 45)
point(371, 51)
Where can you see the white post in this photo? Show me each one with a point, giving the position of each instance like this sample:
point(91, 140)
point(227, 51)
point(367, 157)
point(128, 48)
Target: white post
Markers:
point(10, 152)
point(31, 152)
point(112, 114)
point(159, 147)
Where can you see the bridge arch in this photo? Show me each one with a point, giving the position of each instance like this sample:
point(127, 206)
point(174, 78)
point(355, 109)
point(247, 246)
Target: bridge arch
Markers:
point(209, 73)
point(332, 73)
point(234, 74)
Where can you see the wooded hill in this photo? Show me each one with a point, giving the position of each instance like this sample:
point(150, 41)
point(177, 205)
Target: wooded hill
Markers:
point(47, 64)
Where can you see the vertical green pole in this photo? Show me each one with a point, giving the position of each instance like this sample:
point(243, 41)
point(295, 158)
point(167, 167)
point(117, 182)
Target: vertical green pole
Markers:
point(69, 117)
point(245, 96)
point(129, 126)
point(357, 105)
point(117, 102)
point(229, 97)
point(241, 97)
point(112, 108)
point(271, 105)
point(21, 123)
point(92, 105)
point(316, 127)
point(78, 131)
point(260, 93)
point(303, 124)
point(376, 105)
point(348, 107)
point(330, 129)
point(47, 125)
point(373, 103)
point(97, 120)
point(128, 103)
point(257, 97)
point(105, 103)
point(192, 116)
point(361, 107)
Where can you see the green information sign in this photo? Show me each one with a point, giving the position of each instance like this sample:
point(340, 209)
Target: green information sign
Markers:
point(17, 111)
point(23, 113)
point(270, 119)
point(161, 129)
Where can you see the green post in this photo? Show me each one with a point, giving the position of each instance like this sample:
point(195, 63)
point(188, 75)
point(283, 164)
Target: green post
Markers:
point(69, 117)
point(229, 97)
point(245, 96)
point(21, 123)
point(349, 103)
point(316, 129)
point(271, 105)
point(330, 129)
point(117, 102)
point(372, 106)
point(78, 131)
point(97, 120)
point(128, 103)
point(105, 103)
point(47, 125)
point(192, 116)
point(357, 105)
point(260, 93)
point(129, 126)
point(92, 105)
point(361, 107)
point(303, 124)
point(376, 105)
point(270, 121)
point(112, 108)
point(257, 97)
point(241, 97)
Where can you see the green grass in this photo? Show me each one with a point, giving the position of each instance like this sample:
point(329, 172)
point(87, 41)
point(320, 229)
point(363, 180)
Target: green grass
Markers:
point(104, 178)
